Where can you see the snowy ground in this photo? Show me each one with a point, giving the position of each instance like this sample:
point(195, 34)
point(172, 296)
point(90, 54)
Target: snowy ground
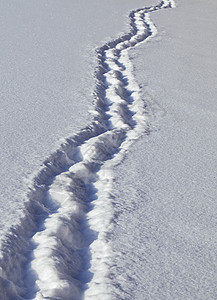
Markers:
point(151, 233)
point(48, 62)
point(165, 235)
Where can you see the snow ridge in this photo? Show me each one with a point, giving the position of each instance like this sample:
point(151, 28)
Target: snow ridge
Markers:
point(61, 249)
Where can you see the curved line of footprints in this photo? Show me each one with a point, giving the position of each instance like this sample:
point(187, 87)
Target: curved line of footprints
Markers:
point(61, 250)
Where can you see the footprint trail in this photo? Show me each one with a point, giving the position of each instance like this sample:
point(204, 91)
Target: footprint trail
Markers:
point(62, 250)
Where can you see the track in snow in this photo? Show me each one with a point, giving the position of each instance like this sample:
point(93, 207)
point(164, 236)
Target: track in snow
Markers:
point(61, 251)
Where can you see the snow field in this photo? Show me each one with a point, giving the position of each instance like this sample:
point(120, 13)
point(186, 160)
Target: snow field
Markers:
point(64, 252)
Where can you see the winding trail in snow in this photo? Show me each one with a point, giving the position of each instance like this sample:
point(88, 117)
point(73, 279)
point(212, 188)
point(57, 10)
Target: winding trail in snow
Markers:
point(61, 251)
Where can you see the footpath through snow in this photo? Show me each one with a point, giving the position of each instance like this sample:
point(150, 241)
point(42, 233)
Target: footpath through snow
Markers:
point(61, 251)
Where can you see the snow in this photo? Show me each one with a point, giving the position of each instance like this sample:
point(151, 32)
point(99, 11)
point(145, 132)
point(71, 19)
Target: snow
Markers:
point(52, 232)
point(124, 208)
point(47, 76)
point(165, 234)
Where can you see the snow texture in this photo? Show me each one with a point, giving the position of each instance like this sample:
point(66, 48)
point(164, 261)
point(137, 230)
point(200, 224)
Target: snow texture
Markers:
point(164, 240)
point(48, 60)
point(61, 251)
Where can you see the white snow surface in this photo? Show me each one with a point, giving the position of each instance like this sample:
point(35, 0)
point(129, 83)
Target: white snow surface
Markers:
point(46, 256)
point(124, 208)
point(165, 240)
point(48, 61)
